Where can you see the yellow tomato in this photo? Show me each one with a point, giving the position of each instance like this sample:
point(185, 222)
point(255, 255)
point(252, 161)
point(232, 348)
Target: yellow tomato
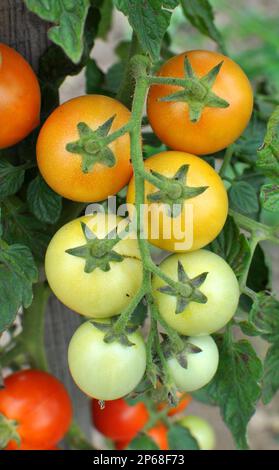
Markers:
point(202, 217)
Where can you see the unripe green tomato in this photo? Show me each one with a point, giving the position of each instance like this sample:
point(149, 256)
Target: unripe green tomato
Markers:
point(201, 366)
point(220, 288)
point(105, 371)
point(200, 430)
point(96, 294)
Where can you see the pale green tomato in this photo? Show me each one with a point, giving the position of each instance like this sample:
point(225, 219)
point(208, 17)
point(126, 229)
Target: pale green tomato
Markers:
point(105, 371)
point(200, 430)
point(220, 287)
point(99, 293)
point(201, 366)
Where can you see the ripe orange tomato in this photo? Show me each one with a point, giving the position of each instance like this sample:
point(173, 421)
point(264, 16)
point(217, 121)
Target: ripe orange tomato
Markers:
point(39, 406)
point(202, 217)
point(20, 97)
point(217, 127)
point(62, 170)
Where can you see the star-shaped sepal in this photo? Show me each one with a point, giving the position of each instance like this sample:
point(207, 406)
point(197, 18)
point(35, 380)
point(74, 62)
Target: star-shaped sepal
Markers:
point(180, 356)
point(93, 145)
point(97, 253)
point(186, 290)
point(111, 335)
point(197, 92)
point(174, 191)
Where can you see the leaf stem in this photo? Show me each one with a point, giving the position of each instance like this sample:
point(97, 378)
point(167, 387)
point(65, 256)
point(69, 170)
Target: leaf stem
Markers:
point(227, 158)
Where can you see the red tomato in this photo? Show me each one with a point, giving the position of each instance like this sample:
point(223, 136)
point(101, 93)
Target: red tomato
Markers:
point(184, 401)
point(20, 97)
point(40, 405)
point(118, 420)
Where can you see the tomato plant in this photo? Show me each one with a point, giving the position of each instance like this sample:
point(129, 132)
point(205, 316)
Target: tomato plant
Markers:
point(201, 194)
point(20, 97)
point(147, 202)
point(213, 297)
point(118, 420)
point(124, 358)
point(35, 410)
point(194, 124)
point(99, 279)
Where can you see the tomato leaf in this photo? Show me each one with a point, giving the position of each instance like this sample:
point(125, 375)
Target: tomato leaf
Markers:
point(248, 143)
point(201, 16)
point(180, 438)
point(271, 373)
point(235, 387)
point(243, 197)
point(17, 274)
point(69, 18)
point(268, 154)
point(11, 178)
point(44, 203)
point(232, 246)
point(142, 442)
point(269, 197)
point(19, 226)
point(150, 20)
point(264, 317)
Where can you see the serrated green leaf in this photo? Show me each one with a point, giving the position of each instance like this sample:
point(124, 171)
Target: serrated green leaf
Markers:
point(243, 197)
point(264, 316)
point(200, 15)
point(268, 153)
point(269, 197)
point(17, 274)
point(19, 226)
point(150, 20)
point(142, 442)
point(235, 387)
point(271, 373)
point(11, 178)
point(232, 246)
point(248, 143)
point(180, 438)
point(43, 202)
point(69, 17)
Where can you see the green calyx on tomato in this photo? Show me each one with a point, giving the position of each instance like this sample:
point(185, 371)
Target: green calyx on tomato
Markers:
point(112, 335)
point(181, 356)
point(197, 92)
point(174, 190)
point(93, 145)
point(98, 253)
point(8, 431)
point(186, 290)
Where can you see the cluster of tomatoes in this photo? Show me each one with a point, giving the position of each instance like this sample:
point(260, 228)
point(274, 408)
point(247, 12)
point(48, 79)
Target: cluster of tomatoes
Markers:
point(97, 276)
point(121, 422)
